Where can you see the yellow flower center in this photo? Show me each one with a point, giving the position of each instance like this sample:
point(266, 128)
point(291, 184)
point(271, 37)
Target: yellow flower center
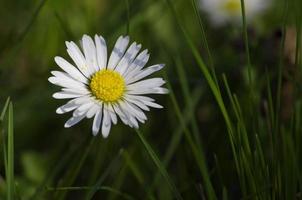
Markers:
point(107, 85)
point(232, 6)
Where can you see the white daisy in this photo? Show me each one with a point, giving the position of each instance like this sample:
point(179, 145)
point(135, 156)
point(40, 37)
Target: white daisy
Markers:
point(229, 11)
point(106, 90)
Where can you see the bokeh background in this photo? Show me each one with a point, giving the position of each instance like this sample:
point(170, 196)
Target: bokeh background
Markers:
point(33, 32)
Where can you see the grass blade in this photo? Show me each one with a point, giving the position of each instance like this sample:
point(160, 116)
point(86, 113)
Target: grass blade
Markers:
point(159, 165)
point(4, 109)
point(105, 188)
point(73, 172)
point(10, 155)
point(178, 134)
point(99, 182)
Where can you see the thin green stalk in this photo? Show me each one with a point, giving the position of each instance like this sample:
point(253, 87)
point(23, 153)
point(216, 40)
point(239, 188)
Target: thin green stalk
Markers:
point(111, 166)
point(4, 109)
point(17, 44)
point(197, 152)
point(204, 40)
point(105, 188)
point(210, 81)
point(133, 167)
point(128, 17)
point(249, 64)
point(280, 67)
point(10, 179)
point(65, 26)
point(2, 135)
point(177, 135)
point(271, 112)
point(59, 163)
point(73, 172)
point(159, 165)
point(246, 41)
point(298, 35)
point(188, 99)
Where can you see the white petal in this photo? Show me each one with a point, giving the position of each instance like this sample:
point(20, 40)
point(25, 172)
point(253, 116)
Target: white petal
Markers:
point(78, 58)
point(97, 122)
point(132, 111)
point(83, 109)
point(128, 58)
point(121, 115)
point(69, 106)
point(93, 110)
point(157, 90)
point(84, 99)
point(144, 100)
point(140, 98)
point(138, 103)
point(131, 121)
point(146, 84)
point(112, 114)
point(118, 51)
point(137, 112)
point(137, 65)
point(70, 69)
point(90, 53)
point(101, 50)
point(64, 80)
point(73, 120)
point(152, 104)
point(106, 123)
point(146, 72)
point(73, 104)
point(65, 95)
point(83, 91)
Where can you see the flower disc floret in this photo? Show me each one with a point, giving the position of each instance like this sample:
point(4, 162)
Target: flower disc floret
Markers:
point(107, 86)
point(232, 6)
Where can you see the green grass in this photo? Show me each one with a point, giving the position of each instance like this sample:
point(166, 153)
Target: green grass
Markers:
point(231, 123)
point(10, 179)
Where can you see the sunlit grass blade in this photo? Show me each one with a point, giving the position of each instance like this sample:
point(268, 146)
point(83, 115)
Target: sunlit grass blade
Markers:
point(159, 165)
point(4, 109)
point(10, 179)
point(2, 135)
point(204, 69)
point(209, 79)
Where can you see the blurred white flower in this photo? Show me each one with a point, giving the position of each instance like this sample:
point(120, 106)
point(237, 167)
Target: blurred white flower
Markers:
point(106, 90)
point(229, 11)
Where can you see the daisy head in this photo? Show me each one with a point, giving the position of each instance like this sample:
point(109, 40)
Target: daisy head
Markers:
point(229, 11)
point(106, 90)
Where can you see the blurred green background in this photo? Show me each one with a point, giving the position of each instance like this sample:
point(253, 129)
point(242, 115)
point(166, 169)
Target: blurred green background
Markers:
point(33, 32)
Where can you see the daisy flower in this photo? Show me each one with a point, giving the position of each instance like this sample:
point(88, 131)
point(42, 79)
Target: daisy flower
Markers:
point(105, 90)
point(229, 11)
